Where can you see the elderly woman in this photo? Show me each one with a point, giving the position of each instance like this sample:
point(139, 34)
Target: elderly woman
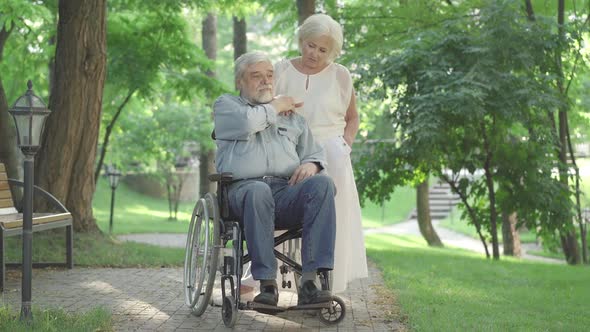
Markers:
point(329, 105)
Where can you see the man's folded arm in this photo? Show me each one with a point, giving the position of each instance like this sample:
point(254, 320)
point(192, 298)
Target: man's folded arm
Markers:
point(235, 120)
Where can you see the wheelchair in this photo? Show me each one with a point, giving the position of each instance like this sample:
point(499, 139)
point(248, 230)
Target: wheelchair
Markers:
point(214, 248)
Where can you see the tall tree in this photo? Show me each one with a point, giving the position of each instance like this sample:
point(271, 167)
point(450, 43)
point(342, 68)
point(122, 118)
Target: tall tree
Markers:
point(66, 159)
point(163, 61)
point(565, 49)
point(207, 156)
point(9, 154)
point(459, 90)
point(305, 8)
point(510, 235)
point(569, 241)
point(240, 40)
point(424, 219)
point(23, 52)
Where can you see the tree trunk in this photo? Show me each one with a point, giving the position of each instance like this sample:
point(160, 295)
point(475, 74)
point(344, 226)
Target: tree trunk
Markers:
point(240, 40)
point(51, 66)
point(424, 220)
point(510, 235)
point(65, 163)
point(305, 8)
point(107, 134)
point(10, 155)
point(470, 211)
point(491, 193)
point(207, 157)
point(568, 237)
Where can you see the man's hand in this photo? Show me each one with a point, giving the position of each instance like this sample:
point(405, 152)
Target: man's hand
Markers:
point(303, 171)
point(285, 105)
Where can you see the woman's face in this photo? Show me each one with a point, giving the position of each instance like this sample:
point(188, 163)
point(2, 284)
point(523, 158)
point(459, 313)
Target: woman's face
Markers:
point(315, 52)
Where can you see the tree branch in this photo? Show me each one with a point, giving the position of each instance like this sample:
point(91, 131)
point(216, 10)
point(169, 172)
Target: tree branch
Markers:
point(107, 134)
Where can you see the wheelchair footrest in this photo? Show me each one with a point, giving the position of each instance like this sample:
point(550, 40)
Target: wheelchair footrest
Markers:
point(265, 308)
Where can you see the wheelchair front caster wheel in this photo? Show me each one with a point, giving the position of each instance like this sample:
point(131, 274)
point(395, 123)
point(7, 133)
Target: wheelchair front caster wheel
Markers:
point(229, 312)
point(333, 314)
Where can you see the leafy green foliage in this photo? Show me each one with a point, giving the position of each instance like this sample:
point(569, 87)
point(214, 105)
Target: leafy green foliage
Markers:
point(154, 59)
point(28, 50)
point(470, 92)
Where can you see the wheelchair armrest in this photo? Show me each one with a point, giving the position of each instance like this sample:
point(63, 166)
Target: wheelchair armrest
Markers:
point(223, 177)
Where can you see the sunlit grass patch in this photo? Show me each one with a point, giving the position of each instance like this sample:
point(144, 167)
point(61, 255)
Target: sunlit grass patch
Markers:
point(442, 289)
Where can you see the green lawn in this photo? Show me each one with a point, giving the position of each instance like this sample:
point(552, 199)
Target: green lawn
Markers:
point(395, 210)
point(456, 223)
point(95, 250)
point(584, 165)
point(137, 213)
point(454, 290)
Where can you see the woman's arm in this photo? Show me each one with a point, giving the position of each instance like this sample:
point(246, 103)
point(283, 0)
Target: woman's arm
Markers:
point(352, 121)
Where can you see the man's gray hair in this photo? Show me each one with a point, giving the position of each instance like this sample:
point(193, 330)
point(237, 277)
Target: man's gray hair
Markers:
point(318, 25)
point(247, 59)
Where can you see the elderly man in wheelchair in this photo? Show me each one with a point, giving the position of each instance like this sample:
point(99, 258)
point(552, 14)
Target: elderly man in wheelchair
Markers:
point(269, 178)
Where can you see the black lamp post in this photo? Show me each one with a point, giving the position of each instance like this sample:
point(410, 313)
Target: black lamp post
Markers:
point(113, 174)
point(29, 113)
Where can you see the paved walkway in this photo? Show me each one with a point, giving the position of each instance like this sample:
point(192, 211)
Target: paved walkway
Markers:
point(153, 300)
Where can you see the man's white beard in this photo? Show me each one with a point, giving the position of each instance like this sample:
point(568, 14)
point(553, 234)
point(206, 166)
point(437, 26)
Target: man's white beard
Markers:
point(264, 97)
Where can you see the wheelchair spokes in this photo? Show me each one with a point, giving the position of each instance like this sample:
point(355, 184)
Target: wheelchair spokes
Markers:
point(202, 251)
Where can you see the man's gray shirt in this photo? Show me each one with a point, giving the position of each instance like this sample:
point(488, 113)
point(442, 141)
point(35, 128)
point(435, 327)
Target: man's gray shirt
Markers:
point(253, 141)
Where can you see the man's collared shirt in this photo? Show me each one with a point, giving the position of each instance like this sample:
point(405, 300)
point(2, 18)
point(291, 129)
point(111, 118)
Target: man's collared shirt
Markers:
point(253, 141)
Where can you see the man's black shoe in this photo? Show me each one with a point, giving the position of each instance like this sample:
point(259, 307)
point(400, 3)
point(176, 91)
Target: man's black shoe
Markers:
point(310, 294)
point(269, 295)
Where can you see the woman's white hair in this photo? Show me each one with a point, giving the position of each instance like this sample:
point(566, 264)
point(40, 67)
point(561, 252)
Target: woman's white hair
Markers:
point(318, 25)
point(247, 59)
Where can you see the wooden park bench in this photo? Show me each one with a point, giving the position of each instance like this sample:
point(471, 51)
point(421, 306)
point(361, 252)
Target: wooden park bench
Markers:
point(11, 222)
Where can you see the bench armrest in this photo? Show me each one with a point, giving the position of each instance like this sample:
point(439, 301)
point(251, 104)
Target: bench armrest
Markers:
point(38, 190)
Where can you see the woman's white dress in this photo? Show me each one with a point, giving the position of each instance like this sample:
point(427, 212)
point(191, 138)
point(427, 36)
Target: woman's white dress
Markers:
point(326, 96)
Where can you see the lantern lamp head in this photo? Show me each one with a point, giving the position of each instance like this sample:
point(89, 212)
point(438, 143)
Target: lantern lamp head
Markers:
point(29, 113)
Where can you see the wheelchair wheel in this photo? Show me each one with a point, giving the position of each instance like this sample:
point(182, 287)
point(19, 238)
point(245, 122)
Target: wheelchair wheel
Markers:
point(202, 253)
point(335, 313)
point(229, 313)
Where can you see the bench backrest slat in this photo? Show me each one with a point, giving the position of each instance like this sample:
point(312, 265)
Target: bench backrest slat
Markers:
point(5, 195)
point(6, 203)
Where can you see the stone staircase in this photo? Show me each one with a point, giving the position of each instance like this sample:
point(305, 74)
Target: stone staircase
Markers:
point(441, 201)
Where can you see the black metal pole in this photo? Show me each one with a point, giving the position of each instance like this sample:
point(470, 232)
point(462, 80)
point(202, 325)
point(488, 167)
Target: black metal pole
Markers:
point(112, 208)
point(27, 275)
